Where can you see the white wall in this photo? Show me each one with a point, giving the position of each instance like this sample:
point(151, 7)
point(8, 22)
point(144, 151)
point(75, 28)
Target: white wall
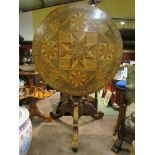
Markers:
point(25, 25)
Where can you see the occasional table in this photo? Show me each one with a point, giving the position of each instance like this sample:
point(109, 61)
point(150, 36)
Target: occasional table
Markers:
point(33, 109)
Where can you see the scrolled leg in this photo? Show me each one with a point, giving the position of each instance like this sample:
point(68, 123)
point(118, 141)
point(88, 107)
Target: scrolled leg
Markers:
point(91, 111)
point(34, 111)
point(62, 110)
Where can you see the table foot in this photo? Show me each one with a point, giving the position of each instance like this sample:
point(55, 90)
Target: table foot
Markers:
point(62, 110)
point(91, 111)
point(34, 111)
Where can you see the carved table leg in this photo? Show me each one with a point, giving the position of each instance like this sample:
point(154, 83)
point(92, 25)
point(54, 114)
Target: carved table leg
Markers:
point(34, 111)
point(62, 110)
point(91, 111)
point(75, 127)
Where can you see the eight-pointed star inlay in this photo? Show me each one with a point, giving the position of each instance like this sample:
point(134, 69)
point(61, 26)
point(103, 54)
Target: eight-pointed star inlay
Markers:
point(77, 53)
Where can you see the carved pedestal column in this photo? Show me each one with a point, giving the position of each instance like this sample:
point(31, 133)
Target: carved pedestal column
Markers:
point(75, 127)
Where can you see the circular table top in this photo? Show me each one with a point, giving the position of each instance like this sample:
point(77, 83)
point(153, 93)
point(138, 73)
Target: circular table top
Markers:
point(77, 49)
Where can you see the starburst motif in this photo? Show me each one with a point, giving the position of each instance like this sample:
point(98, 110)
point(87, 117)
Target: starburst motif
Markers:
point(77, 78)
point(105, 51)
point(54, 74)
point(50, 49)
point(79, 51)
point(78, 21)
point(55, 25)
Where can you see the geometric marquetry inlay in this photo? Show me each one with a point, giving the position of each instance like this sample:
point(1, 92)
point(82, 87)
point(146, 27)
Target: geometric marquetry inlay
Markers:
point(77, 49)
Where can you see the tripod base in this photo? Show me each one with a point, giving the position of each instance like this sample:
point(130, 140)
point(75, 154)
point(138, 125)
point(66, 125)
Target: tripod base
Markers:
point(77, 107)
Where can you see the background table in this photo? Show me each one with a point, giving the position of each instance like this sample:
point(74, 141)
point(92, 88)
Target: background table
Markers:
point(33, 109)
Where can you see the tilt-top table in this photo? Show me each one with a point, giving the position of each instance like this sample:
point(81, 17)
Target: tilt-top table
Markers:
point(77, 51)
